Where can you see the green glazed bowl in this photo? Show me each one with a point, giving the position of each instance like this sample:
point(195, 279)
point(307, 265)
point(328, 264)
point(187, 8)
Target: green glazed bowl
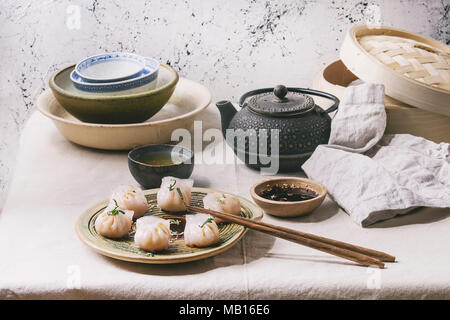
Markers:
point(128, 106)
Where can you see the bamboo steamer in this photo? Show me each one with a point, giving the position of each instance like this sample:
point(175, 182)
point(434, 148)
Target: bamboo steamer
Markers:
point(414, 69)
point(401, 118)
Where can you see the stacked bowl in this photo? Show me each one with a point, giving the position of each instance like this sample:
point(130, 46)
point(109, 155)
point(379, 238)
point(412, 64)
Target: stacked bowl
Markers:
point(120, 100)
point(112, 72)
point(114, 88)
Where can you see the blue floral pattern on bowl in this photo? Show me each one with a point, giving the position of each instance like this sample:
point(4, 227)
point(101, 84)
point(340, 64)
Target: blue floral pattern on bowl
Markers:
point(146, 76)
point(123, 66)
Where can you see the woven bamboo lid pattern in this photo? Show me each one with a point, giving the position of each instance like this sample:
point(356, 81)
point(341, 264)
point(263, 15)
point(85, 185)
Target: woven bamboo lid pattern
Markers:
point(410, 58)
point(413, 68)
point(401, 118)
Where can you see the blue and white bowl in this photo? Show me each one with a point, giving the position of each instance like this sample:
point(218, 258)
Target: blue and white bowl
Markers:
point(110, 67)
point(146, 78)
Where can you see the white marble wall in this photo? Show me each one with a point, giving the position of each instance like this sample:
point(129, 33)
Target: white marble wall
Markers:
point(230, 46)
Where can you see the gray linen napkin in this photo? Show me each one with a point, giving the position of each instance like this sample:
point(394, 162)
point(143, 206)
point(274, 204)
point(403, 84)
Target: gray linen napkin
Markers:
point(372, 176)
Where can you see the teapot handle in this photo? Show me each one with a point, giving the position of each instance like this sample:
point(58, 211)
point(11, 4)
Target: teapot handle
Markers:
point(326, 95)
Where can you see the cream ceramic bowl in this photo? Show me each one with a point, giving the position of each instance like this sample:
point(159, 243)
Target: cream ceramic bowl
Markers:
point(289, 208)
point(188, 100)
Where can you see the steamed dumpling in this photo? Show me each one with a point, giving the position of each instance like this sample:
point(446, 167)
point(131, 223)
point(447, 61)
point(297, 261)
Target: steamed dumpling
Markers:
point(114, 222)
point(152, 233)
point(131, 198)
point(174, 194)
point(200, 231)
point(222, 202)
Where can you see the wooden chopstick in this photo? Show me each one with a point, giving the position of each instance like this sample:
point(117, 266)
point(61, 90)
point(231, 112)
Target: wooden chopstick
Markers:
point(364, 256)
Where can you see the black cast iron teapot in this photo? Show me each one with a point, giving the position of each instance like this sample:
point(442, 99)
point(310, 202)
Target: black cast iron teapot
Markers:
point(277, 123)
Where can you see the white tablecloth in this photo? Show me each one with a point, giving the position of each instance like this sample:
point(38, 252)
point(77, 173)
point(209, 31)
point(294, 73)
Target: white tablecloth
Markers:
point(55, 181)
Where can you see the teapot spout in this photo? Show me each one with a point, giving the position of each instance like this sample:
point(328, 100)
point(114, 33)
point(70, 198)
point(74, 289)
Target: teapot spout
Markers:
point(227, 112)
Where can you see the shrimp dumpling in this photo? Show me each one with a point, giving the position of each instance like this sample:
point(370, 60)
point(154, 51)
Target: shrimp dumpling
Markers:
point(152, 233)
point(200, 231)
point(131, 198)
point(174, 194)
point(225, 203)
point(114, 222)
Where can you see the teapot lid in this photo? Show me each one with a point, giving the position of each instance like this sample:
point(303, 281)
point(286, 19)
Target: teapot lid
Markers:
point(280, 101)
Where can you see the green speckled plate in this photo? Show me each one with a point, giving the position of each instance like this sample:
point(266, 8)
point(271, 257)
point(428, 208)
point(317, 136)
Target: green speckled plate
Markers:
point(125, 249)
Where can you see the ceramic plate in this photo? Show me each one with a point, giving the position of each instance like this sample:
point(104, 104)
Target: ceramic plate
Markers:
point(187, 101)
point(110, 67)
point(125, 249)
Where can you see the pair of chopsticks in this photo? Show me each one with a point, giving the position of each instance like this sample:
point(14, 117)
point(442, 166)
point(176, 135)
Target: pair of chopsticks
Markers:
point(361, 255)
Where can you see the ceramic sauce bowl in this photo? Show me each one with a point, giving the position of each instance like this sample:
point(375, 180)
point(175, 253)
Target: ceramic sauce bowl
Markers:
point(288, 208)
point(149, 164)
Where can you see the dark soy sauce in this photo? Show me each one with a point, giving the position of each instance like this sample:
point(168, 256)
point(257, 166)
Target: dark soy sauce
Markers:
point(287, 192)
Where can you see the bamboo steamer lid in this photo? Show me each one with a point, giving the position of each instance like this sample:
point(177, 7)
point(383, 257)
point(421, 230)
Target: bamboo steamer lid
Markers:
point(414, 69)
point(401, 118)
